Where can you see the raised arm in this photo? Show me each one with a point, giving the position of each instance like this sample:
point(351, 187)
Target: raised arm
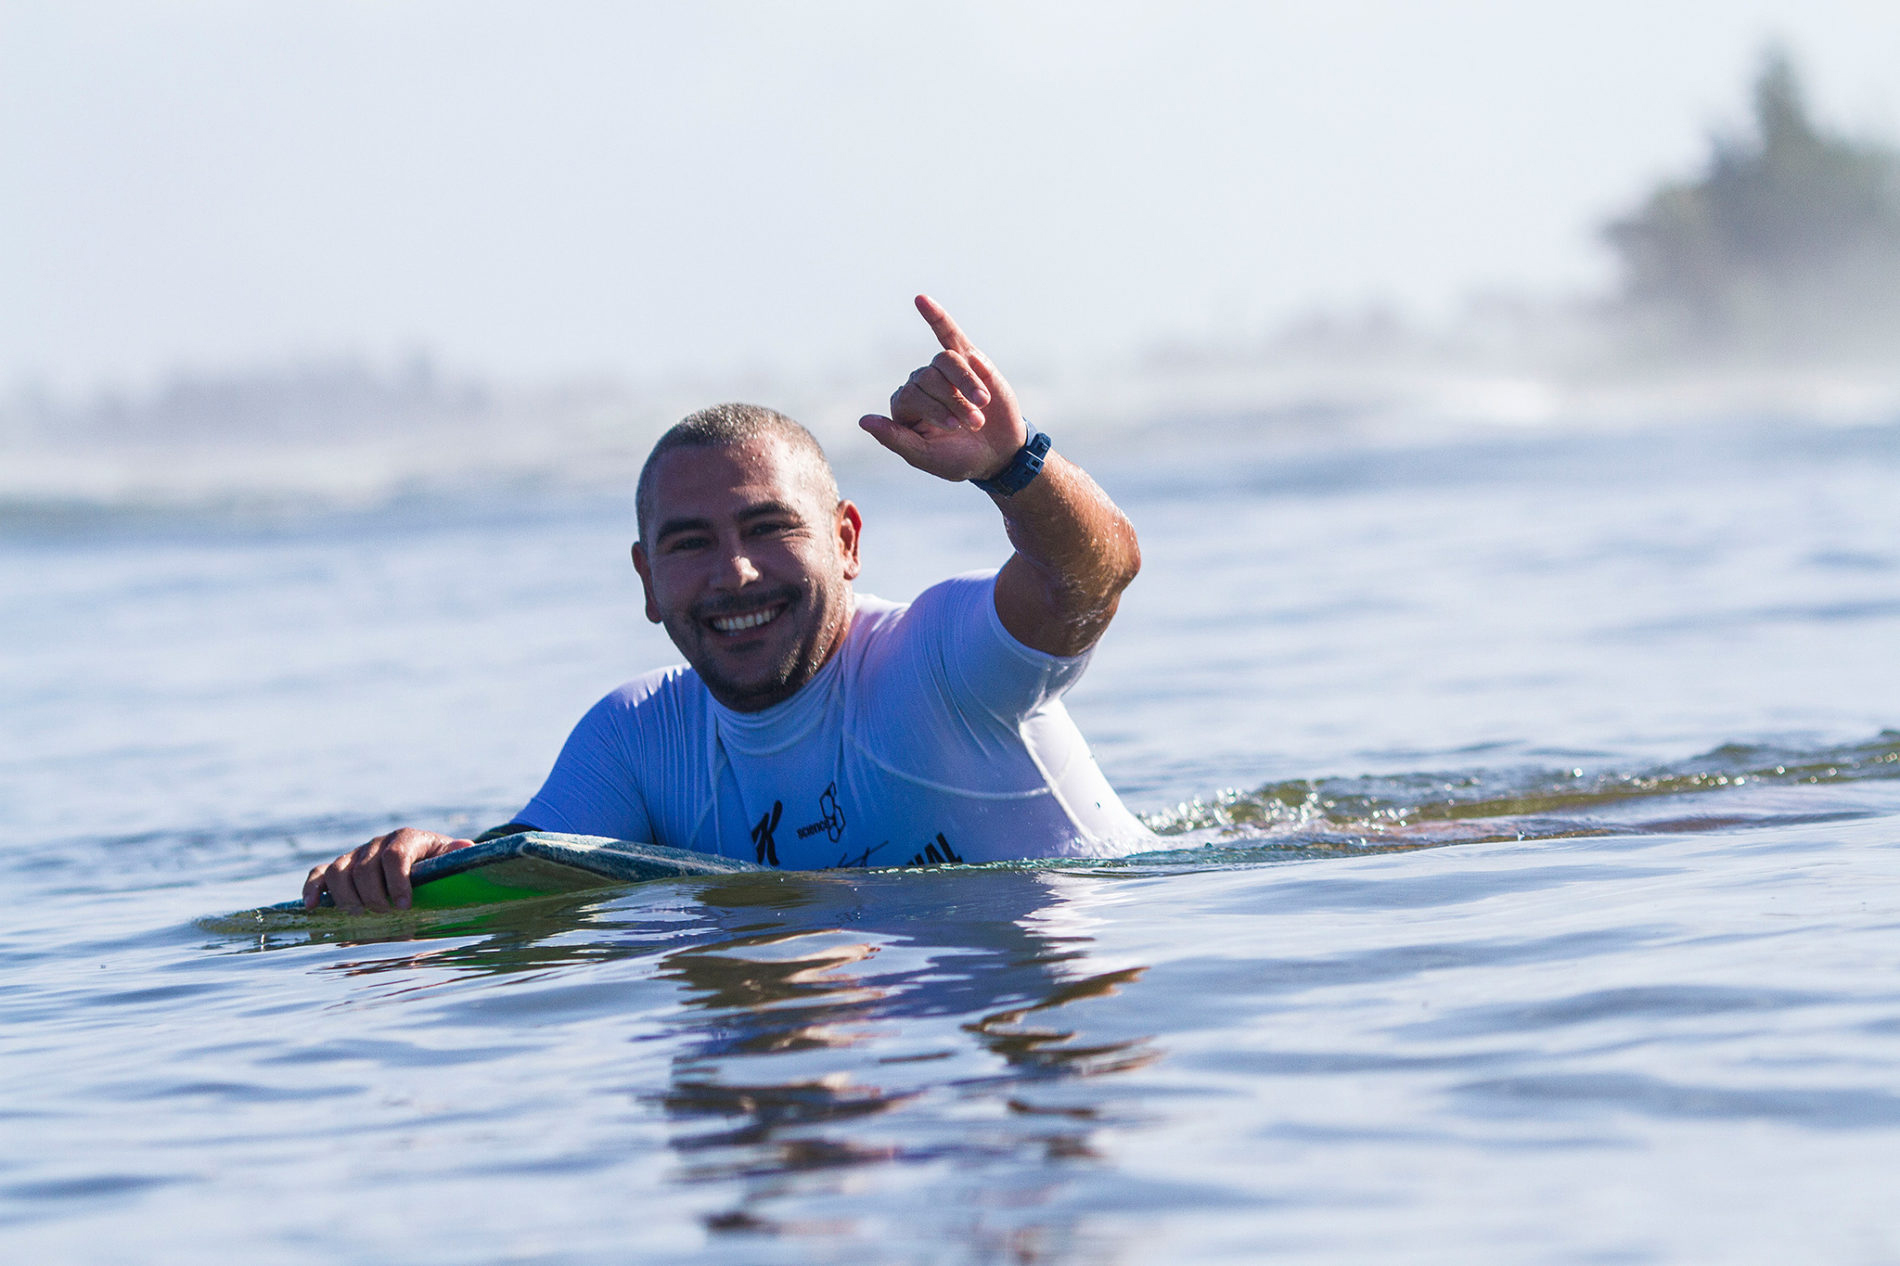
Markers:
point(957, 418)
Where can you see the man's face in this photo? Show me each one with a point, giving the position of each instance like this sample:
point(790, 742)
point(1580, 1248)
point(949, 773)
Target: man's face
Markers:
point(749, 567)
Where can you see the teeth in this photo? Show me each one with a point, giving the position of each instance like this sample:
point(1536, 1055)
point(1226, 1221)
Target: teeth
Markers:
point(740, 623)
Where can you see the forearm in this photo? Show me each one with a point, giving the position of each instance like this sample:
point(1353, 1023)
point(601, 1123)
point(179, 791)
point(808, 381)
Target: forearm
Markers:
point(958, 419)
point(1075, 553)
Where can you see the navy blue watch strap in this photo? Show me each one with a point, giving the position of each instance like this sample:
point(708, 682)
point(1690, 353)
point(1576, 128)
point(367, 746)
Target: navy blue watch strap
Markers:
point(1022, 469)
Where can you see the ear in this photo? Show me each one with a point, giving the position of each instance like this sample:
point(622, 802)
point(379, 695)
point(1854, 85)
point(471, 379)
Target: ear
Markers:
point(641, 565)
point(850, 527)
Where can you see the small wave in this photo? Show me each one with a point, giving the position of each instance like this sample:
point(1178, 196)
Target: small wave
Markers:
point(1381, 813)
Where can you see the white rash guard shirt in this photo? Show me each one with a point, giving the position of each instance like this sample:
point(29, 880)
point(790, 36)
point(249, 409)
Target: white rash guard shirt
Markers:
point(932, 735)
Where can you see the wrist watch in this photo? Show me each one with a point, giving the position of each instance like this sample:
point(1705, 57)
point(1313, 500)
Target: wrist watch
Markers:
point(1023, 467)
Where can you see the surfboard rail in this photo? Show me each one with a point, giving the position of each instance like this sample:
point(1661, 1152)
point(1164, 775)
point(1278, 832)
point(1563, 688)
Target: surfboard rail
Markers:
point(544, 863)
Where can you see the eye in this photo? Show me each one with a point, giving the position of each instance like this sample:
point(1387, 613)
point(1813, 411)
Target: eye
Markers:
point(768, 527)
point(684, 542)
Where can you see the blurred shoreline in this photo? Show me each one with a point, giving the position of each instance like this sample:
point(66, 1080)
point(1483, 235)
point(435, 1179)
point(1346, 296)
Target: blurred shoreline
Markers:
point(346, 436)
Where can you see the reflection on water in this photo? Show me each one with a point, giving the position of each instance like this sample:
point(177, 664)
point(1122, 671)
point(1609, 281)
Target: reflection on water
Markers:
point(872, 998)
point(824, 1022)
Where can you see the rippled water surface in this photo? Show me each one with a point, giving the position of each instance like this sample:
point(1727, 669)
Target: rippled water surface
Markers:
point(1533, 891)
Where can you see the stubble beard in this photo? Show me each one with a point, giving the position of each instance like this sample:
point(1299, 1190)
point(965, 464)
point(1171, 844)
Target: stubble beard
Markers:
point(825, 616)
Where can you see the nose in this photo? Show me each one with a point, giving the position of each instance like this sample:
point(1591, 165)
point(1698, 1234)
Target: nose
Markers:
point(736, 570)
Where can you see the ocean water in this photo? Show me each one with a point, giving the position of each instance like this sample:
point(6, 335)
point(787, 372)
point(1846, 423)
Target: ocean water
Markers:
point(1532, 890)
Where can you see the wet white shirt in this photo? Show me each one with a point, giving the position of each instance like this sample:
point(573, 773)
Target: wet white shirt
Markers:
point(931, 735)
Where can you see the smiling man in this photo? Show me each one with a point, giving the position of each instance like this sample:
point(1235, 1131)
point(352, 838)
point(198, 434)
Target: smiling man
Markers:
point(812, 726)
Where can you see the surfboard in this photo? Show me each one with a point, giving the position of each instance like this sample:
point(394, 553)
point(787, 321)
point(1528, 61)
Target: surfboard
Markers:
point(540, 864)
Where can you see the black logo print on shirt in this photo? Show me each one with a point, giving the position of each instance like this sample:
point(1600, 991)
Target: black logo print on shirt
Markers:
point(832, 823)
point(936, 854)
point(862, 859)
point(762, 834)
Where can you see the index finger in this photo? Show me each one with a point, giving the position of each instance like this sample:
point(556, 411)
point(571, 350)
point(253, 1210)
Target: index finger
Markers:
point(948, 333)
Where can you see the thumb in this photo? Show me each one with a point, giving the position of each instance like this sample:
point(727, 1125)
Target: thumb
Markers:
point(901, 440)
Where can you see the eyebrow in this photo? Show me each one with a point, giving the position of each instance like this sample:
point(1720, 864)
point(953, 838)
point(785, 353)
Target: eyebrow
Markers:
point(759, 510)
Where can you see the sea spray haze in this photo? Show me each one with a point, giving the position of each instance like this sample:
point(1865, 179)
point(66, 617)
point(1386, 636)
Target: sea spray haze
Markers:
point(1765, 282)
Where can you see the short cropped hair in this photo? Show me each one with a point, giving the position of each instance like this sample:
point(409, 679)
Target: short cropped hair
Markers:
point(727, 426)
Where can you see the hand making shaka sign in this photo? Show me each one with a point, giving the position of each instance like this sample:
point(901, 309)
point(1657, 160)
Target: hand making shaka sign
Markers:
point(955, 418)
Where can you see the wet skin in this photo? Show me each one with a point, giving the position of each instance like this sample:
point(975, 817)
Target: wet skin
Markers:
point(748, 564)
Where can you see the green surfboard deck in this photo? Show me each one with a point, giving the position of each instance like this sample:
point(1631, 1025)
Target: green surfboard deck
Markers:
point(541, 864)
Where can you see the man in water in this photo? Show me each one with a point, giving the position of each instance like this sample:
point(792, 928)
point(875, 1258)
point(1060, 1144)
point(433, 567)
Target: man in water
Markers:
point(814, 727)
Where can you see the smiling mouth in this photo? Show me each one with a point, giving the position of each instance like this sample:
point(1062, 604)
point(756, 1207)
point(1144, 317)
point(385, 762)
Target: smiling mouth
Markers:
point(730, 624)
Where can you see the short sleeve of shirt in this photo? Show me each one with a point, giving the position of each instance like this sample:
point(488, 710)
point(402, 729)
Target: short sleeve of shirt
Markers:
point(976, 656)
point(594, 787)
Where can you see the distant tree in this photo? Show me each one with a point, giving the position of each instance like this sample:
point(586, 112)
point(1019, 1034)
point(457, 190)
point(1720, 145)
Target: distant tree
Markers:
point(1788, 242)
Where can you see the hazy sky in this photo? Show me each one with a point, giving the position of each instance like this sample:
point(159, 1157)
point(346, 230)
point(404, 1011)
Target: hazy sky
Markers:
point(542, 188)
